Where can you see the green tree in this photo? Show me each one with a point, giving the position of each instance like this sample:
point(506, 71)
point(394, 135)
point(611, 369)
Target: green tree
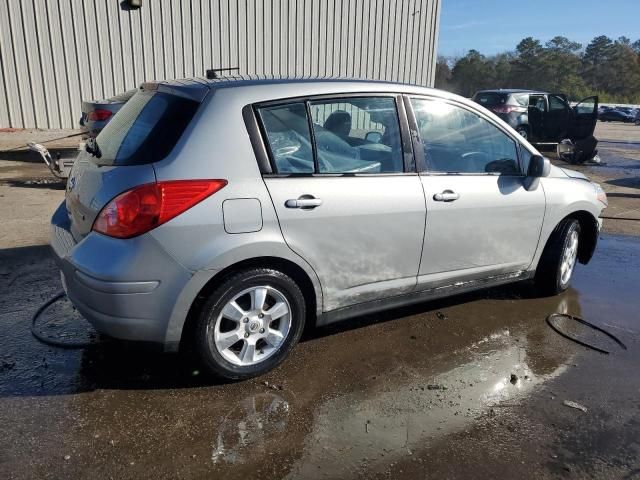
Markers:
point(502, 69)
point(610, 69)
point(596, 56)
point(623, 68)
point(563, 45)
point(472, 72)
point(561, 66)
point(443, 73)
point(527, 67)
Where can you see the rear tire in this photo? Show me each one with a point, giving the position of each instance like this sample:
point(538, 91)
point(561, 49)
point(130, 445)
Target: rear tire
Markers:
point(263, 310)
point(559, 257)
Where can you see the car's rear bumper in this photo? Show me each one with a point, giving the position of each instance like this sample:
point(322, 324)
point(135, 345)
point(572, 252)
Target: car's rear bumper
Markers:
point(126, 289)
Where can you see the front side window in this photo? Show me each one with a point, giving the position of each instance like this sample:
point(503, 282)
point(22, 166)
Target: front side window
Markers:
point(538, 103)
point(351, 135)
point(457, 140)
point(556, 103)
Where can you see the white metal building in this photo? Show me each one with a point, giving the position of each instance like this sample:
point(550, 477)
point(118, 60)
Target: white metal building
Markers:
point(53, 53)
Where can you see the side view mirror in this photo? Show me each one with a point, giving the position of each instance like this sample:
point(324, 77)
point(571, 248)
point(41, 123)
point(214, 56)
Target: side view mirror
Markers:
point(539, 166)
point(373, 137)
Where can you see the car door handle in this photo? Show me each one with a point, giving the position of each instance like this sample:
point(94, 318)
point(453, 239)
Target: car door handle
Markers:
point(305, 202)
point(446, 196)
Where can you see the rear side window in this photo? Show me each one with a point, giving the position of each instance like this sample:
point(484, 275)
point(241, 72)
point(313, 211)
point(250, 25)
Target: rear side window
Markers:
point(288, 136)
point(145, 129)
point(357, 135)
point(350, 135)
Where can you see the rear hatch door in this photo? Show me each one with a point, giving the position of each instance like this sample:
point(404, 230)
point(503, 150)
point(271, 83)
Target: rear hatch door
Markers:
point(497, 102)
point(142, 132)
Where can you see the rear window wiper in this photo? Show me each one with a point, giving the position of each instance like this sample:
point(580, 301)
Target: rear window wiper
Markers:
point(92, 147)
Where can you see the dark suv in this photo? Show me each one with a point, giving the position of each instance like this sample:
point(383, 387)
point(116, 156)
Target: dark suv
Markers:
point(542, 117)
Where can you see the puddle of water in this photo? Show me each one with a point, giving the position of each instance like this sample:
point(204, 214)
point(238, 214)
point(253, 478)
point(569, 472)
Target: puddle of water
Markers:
point(250, 428)
point(384, 426)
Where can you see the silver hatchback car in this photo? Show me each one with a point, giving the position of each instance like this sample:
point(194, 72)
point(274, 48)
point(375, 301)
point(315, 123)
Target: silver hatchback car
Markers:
point(226, 214)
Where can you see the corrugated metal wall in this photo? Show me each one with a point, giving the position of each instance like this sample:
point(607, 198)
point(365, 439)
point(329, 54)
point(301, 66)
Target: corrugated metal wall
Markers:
point(53, 53)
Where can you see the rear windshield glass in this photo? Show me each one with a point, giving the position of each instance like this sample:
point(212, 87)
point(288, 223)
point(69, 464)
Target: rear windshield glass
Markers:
point(490, 99)
point(145, 129)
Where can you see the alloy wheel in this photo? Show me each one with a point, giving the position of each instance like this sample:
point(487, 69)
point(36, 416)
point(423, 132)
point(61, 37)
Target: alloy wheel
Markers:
point(252, 326)
point(569, 257)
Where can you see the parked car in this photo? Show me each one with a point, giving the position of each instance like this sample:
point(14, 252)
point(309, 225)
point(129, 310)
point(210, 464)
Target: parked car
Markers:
point(227, 214)
point(615, 115)
point(636, 119)
point(97, 113)
point(628, 110)
point(542, 117)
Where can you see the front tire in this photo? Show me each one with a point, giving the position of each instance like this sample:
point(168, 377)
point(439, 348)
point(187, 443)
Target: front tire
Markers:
point(559, 258)
point(250, 323)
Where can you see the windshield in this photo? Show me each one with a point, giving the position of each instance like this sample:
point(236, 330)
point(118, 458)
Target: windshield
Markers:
point(145, 129)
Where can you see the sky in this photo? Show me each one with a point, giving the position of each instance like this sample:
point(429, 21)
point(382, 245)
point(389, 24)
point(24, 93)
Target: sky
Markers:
point(493, 26)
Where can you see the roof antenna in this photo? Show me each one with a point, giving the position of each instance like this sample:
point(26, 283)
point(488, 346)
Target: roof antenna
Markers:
point(212, 73)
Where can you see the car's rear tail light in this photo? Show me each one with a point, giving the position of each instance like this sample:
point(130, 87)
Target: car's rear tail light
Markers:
point(501, 109)
point(507, 109)
point(99, 114)
point(145, 207)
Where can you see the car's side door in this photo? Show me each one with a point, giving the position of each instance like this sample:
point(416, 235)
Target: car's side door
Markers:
point(557, 118)
point(346, 193)
point(536, 111)
point(584, 119)
point(481, 220)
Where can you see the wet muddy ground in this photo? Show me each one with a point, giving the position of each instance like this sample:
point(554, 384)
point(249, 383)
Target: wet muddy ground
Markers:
point(469, 387)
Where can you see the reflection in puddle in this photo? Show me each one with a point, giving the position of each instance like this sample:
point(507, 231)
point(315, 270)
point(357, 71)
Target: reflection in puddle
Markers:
point(376, 427)
point(250, 427)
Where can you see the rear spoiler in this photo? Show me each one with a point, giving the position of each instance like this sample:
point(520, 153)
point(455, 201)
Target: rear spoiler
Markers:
point(191, 89)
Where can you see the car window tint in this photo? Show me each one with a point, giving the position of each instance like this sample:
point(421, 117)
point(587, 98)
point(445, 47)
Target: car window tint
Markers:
point(490, 99)
point(288, 136)
point(588, 106)
point(457, 140)
point(556, 103)
point(145, 129)
point(357, 135)
point(537, 102)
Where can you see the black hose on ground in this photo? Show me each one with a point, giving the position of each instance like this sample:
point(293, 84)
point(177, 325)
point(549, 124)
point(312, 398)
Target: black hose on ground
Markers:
point(584, 322)
point(50, 341)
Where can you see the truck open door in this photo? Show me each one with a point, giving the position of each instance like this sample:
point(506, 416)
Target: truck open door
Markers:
point(584, 119)
point(581, 144)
